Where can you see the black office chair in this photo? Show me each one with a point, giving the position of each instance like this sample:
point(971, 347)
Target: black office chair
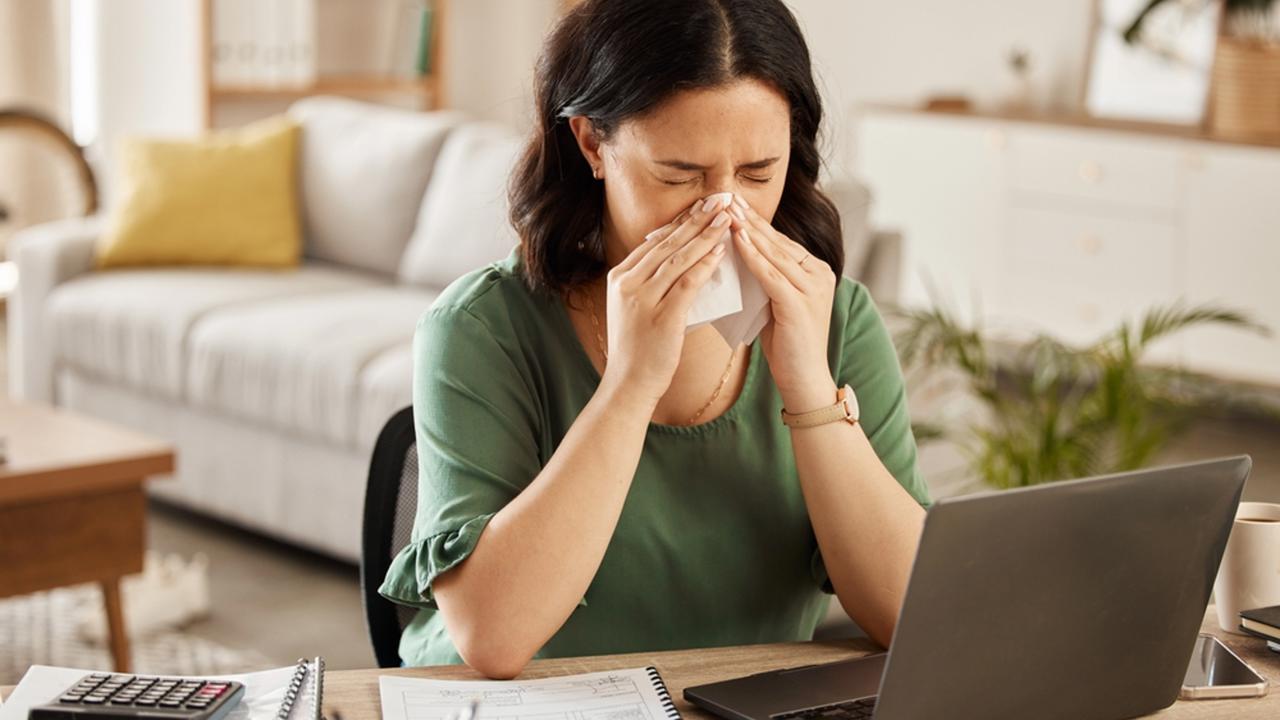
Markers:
point(390, 503)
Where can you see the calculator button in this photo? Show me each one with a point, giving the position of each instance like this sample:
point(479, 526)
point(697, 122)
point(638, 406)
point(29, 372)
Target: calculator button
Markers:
point(94, 700)
point(148, 701)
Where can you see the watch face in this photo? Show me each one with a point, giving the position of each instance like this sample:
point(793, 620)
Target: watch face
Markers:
point(850, 403)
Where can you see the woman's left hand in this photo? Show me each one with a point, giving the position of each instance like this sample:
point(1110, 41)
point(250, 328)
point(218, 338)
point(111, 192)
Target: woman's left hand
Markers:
point(800, 297)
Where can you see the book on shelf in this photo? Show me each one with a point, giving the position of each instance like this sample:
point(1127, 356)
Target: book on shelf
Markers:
point(263, 43)
point(409, 25)
point(423, 62)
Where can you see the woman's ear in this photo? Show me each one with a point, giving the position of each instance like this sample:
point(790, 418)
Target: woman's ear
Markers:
point(584, 132)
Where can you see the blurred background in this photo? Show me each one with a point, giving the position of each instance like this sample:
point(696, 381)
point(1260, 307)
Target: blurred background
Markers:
point(1066, 209)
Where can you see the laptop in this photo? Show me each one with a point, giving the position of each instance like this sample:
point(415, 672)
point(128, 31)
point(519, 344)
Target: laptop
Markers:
point(1079, 599)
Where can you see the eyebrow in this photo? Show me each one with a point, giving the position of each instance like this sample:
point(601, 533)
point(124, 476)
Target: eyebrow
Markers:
point(682, 165)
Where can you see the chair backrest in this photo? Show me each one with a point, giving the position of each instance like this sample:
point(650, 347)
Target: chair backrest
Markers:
point(390, 504)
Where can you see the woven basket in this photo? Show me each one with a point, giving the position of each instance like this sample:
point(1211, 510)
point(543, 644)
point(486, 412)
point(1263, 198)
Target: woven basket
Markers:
point(1246, 88)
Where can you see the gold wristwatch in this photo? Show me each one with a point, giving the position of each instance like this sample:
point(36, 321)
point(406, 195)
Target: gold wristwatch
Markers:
point(845, 408)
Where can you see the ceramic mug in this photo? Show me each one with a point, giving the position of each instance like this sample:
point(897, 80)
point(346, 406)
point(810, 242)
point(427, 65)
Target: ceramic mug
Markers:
point(1249, 576)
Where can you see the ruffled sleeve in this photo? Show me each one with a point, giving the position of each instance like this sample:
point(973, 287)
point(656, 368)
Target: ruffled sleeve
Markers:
point(476, 424)
point(866, 360)
point(413, 569)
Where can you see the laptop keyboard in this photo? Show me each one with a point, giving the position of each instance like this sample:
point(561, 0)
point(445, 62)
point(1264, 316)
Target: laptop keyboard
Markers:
point(848, 710)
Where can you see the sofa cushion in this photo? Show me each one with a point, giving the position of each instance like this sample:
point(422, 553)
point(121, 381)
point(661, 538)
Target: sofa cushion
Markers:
point(363, 170)
point(386, 386)
point(131, 326)
point(228, 198)
point(295, 363)
point(463, 222)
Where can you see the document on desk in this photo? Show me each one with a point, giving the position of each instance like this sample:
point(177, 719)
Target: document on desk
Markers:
point(632, 694)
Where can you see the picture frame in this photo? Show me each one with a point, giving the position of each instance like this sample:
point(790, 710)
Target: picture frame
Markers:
point(1164, 75)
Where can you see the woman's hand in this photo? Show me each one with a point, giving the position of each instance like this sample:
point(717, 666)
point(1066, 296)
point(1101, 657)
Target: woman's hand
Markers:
point(800, 296)
point(649, 294)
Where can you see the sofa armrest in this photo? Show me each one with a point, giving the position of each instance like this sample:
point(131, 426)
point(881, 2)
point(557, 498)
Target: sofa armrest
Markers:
point(46, 256)
point(883, 269)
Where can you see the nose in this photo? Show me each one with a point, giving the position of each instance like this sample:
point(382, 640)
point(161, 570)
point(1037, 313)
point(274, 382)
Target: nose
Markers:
point(719, 181)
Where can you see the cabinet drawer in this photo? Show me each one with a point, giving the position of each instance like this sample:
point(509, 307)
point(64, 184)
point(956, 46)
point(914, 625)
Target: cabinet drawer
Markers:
point(1095, 167)
point(1094, 251)
point(1077, 276)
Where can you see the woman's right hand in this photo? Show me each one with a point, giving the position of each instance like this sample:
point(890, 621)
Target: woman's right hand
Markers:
point(649, 294)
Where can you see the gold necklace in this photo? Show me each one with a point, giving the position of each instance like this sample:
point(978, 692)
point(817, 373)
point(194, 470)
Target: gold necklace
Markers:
point(604, 352)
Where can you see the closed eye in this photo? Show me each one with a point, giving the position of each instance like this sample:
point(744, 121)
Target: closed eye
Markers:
point(760, 181)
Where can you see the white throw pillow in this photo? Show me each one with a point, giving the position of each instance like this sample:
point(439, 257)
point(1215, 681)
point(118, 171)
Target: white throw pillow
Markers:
point(463, 223)
point(362, 170)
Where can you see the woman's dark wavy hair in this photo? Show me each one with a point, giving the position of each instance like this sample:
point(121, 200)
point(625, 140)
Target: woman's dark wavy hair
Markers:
point(612, 60)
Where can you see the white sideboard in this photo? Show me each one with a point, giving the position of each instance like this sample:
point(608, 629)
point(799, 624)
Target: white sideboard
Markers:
point(1030, 224)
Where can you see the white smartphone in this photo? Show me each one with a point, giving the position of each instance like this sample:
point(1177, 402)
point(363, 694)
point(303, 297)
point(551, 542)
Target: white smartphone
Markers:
point(1216, 672)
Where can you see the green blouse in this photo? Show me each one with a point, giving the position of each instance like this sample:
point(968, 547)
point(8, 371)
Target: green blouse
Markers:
point(714, 545)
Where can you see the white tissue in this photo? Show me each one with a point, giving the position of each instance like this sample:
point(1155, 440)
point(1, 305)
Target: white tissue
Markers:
point(732, 300)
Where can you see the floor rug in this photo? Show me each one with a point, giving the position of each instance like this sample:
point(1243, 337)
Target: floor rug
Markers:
point(37, 629)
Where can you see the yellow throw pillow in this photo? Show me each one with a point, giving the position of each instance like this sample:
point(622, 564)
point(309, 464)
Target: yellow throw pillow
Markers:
point(230, 198)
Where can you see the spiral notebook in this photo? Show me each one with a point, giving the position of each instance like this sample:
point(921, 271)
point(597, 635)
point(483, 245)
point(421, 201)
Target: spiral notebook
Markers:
point(631, 694)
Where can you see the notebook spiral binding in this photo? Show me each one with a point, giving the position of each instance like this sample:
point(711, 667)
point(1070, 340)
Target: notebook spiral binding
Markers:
point(291, 693)
point(316, 669)
point(317, 698)
point(663, 695)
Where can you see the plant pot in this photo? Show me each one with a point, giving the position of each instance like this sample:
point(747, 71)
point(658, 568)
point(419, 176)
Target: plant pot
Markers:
point(1245, 100)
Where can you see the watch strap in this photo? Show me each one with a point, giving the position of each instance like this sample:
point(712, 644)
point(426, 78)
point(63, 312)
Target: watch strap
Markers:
point(845, 408)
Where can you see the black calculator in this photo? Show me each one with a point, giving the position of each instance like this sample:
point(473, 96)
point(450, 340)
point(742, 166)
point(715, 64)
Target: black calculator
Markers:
point(114, 696)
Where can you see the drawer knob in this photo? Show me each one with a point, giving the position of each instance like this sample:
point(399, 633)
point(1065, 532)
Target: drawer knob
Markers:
point(1090, 244)
point(1091, 171)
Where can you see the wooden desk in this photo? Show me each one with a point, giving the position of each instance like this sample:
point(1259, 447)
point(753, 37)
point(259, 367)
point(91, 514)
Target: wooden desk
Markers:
point(72, 506)
point(354, 693)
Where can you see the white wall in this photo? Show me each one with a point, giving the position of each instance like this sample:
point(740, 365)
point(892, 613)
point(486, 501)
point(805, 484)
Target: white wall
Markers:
point(491, 47)
point(904, 50)
point(863, 51)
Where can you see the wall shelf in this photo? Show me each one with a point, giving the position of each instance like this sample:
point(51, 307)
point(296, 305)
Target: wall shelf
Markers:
point(428, 91)
point(338, 84)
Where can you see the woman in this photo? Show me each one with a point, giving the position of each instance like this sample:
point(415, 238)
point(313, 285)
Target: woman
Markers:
point(593, 478)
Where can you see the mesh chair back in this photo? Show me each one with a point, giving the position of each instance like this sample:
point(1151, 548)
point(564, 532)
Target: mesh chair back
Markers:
point(390, 505)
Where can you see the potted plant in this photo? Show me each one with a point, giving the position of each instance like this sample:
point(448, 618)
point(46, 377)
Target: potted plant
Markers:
point(1058, 412)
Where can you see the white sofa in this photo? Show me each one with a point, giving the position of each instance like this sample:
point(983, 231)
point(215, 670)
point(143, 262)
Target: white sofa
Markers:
point(273, 385)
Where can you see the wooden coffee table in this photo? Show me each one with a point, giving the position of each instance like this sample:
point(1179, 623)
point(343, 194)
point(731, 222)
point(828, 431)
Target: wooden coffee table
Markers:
point(72, 505)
